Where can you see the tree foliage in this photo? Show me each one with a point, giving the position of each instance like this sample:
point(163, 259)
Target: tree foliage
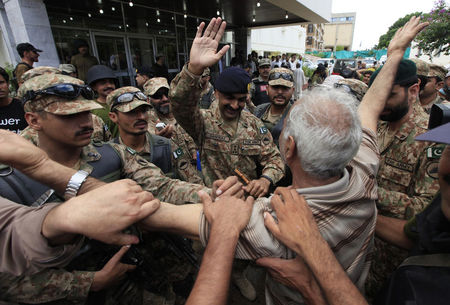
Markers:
point(384, 39)
point(435, 39)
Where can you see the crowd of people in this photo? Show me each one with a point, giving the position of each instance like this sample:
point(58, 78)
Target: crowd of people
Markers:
point(163, 193)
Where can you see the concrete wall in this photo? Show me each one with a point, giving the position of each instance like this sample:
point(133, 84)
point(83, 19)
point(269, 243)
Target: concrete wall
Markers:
point(286, 39)
point(27, 20)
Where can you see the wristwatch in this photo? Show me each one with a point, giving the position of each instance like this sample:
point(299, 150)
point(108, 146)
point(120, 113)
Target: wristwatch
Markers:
point(75, 183)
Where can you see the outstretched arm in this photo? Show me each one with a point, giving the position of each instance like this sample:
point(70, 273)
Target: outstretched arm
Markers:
point(375, 99)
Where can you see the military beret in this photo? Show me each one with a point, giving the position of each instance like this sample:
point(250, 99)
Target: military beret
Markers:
point(233, 80)
point(406, 73)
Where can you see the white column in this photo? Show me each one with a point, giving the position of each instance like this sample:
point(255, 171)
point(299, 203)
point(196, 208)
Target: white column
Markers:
point(28, 22)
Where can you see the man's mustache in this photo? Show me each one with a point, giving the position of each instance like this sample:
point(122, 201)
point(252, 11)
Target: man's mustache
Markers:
point(84, 130)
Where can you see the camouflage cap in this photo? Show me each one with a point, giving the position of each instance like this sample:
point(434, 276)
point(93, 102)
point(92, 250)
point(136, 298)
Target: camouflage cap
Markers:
point(153, 84)
point(67, 68)
point(423, 68)
point(437, 70)
point(280, 81)
point(55, 104)
point(39, 71)
point(357, 87)
point(206, 72)
point(128, 106)
point(264, 62)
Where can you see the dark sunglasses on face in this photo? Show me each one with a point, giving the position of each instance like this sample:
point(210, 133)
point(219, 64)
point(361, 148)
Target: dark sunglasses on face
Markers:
point(159, 94)
point(68, 91)
point(128, 97)
point(283, 75)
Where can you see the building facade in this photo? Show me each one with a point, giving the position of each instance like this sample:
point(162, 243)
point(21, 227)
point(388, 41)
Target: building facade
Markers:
point(279, 40)
point(314, 37)
point(340, 31)
point(127, 34)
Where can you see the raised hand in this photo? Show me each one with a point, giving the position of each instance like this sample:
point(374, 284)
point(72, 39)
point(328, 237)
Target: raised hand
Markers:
point(405, 35)
point(204, 47)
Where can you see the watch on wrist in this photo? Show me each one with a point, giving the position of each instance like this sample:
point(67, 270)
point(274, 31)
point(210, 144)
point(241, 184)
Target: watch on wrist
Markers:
point(75, 183)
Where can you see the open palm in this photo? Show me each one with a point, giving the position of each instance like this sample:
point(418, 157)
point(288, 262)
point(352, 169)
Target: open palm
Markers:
point(204, 47)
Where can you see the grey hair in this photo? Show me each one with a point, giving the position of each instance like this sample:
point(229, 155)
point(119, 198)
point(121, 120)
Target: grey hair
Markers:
point(326, 129)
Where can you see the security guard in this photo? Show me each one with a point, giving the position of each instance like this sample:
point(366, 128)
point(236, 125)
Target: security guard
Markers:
point(258, 86)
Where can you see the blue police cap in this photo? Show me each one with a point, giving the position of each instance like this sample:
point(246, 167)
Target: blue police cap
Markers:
point(233, 80)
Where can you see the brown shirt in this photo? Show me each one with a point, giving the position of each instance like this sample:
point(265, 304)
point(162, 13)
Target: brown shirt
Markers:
point(23, 248)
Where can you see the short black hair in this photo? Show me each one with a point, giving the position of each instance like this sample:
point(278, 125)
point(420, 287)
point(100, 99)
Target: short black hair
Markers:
point(4, 74)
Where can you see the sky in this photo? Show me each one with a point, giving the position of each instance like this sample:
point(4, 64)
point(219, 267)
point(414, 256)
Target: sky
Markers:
point(373, 18)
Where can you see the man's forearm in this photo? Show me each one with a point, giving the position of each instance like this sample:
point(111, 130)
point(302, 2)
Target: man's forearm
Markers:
point(335, 283)
point(180, 219)
point(392, 230)
point(215, 271)
point(57, 177)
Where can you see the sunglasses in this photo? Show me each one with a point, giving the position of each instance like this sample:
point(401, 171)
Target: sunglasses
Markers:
point(128, 97)
point(283, 75)
point(68, 91)
point(159, 94)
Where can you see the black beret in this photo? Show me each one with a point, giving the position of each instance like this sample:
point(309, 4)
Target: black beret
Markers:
point(233, 80)
point(406, 73)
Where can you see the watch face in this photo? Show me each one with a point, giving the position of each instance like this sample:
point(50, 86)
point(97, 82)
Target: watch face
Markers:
point(75, 183)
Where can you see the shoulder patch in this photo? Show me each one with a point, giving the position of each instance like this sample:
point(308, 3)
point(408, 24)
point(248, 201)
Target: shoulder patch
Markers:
point(434, 152)
point(263, 130)
point(432, 169)
point(178, 153)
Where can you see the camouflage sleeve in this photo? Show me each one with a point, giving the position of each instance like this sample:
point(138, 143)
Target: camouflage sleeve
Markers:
point(252, 91)
point(184, 95)
point(270, 158)
point(181, 161)
point(422, 190)
point(101, 131)
point(152, 179)
point(46, 286)
point(250, 106)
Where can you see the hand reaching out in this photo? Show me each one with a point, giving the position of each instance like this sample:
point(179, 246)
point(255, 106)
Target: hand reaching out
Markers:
point(405, 35)
point(204, 47)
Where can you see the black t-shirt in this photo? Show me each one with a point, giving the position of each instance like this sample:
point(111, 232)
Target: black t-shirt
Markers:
point(12, 117)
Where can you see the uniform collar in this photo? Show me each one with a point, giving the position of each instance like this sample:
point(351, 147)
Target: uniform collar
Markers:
point(226, 127)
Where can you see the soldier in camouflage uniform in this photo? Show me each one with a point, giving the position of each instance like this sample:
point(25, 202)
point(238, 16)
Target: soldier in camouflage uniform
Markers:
point(131, 117)
point(157, 90)
point(407, 178)
point(280, 90)
point(353, 86)
point(258, 86)
point(207, 96)
point(101, 131)
point(64, 127)
point(228, 138)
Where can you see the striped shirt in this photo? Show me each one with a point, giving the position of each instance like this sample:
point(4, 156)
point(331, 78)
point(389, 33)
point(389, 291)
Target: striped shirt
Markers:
point(345, 213)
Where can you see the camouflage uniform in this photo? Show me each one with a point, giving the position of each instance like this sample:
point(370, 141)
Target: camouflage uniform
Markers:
point(430, 70)
point(181, 161)
point(180, 136)
point(65, 285)
point(356, 87)
point(222, 149)
point(407, 182)
point(207, 96)
point(103, 113)
point(39, 71)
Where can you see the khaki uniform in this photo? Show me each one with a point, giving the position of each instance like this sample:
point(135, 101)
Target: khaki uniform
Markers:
point(407, 182)
point(180, 137)
point(181, 161)
point(223, 149)
point(20, 70)
point(83, 63)
point(101, 132)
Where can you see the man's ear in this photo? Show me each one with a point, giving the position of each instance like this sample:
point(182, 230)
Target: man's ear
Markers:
point(113, 116)
point(413, 91)
point(291, 148)
point(34, 120)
